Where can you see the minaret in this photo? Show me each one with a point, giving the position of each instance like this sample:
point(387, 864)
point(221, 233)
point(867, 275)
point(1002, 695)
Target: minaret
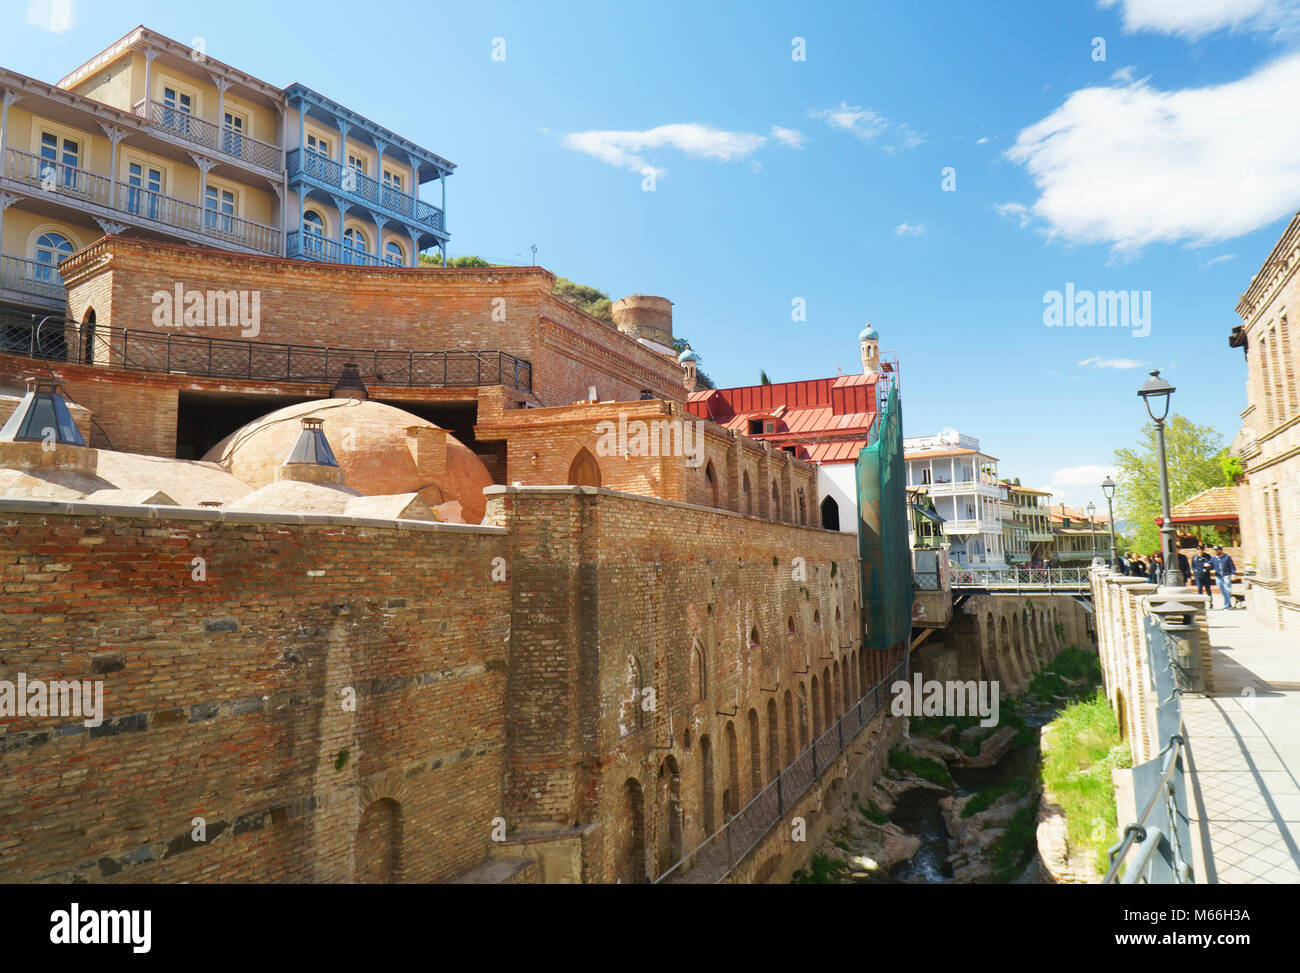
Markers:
point(870, 342)
point(687, 359)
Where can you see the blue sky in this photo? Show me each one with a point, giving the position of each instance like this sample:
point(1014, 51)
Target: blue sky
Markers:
point(1170, 167)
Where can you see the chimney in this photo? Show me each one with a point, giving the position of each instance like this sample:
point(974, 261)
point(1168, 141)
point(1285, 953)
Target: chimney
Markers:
point(428, 446)
point(349, 385)
point(40, 434)
point(311, 459)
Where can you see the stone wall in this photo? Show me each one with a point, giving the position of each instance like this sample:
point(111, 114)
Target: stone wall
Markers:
point(1122, 606)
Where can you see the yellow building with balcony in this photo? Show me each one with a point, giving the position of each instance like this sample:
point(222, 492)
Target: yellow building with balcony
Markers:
point(156, 138)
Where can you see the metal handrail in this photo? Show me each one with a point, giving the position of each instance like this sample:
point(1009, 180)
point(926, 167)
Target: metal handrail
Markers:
point(789, 785)
point(331, 172)
point(200, 131)
point(1148, 838)
point(209, 357)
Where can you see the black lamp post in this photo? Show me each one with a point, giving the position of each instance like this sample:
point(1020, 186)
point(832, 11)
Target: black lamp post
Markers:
point(1108, 489)
point(1156, 393)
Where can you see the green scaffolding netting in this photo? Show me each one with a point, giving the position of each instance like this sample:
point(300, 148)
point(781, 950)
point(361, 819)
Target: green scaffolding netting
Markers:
point(882, 533)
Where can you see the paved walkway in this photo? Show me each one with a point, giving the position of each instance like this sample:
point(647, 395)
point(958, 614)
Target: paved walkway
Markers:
point(1245, 748)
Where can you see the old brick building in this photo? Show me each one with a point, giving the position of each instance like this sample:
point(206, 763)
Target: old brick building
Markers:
point(1269, 439)
point(312, 672)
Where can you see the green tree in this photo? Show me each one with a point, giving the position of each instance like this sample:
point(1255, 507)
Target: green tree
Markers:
point(435, 260)
point(1193, 457)
point(762, 377)
point(595, 302)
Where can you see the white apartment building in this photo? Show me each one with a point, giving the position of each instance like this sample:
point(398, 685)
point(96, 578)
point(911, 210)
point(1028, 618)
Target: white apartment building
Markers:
point(963, 482)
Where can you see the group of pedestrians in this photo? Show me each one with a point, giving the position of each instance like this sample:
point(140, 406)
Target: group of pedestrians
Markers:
point(1206, 571)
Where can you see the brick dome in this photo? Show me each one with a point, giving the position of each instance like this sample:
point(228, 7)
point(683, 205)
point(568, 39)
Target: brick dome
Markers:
point(381, 450)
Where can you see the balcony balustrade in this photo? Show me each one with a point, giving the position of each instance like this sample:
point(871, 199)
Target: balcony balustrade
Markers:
point(312, 246)
point(199, 131)
point(32, 278)
point(332, 174)
point(137, 205)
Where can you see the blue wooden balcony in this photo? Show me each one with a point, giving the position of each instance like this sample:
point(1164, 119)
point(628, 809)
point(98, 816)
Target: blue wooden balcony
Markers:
point(322, 172)
point(311, 246)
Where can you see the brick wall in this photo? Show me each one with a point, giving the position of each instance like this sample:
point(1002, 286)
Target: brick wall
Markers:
point(222, 697)
point(615, 595)
point(508, 309)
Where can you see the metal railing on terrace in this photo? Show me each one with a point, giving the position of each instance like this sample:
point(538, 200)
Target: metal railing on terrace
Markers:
point(717, 856)
point(185, 353)
point(332, 173)
point(200, 131)
point(1022, 579)
point(78, 186)
point(1161, 836)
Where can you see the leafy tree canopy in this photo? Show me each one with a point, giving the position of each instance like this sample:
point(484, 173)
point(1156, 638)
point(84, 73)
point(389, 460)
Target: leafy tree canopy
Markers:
point(435, 260)
point(1195, 463)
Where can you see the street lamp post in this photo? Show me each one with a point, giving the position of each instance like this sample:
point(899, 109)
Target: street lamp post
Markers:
point(1092, 527)
point(1158, 391)
point(1108, 489)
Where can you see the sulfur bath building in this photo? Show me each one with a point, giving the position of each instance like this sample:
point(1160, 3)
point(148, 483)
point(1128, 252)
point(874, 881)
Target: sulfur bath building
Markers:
point(397, 601)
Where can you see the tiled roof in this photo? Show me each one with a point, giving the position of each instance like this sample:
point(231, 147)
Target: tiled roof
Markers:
point(945, 453)
point(1215, 505)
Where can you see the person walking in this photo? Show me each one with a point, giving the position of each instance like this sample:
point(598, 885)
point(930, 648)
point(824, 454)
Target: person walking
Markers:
point(1153, 568)
point(1136, 568)
point(1203, 571)
point(1184, 569)
point(1121, 565)
point(1224, 569)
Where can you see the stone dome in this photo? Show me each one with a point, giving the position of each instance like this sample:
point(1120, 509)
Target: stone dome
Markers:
point(688, 355)
point(381, 449)
point(868, 334)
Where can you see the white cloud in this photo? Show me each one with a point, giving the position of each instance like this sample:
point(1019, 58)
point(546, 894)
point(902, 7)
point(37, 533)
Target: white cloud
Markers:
point(1194, 18)
point(869, 125)
point(1072, 476)
point(1221, 258)
point(1124, 75)
point(790, 137)
point(56, 16)
point(866, 123)
point(981, 141)
point(1097, 361)
point(1132, 166)
point(908, 229)
point(624, 148)
point(1016, 212)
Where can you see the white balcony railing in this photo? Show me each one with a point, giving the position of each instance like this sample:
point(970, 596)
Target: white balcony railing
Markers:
point(181, 125)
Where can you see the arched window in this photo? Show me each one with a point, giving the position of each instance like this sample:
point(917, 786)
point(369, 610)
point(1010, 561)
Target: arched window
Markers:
point(776, 502)
point(355, 246)
point(88, 338)
point(379, 843)
point(748, 492)
point(754, 640)
point(789, 625)
point(393, 254)
point(632, 865)
point(313, 233)
point(801, 508)
point(830, 514)
point(699, 672)
point(584, 470)
point(51, 247)
point(817, 617)
point(711, 478)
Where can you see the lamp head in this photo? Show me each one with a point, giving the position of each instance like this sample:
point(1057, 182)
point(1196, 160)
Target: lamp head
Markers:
point(1158, 391)
point(1108, 488)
